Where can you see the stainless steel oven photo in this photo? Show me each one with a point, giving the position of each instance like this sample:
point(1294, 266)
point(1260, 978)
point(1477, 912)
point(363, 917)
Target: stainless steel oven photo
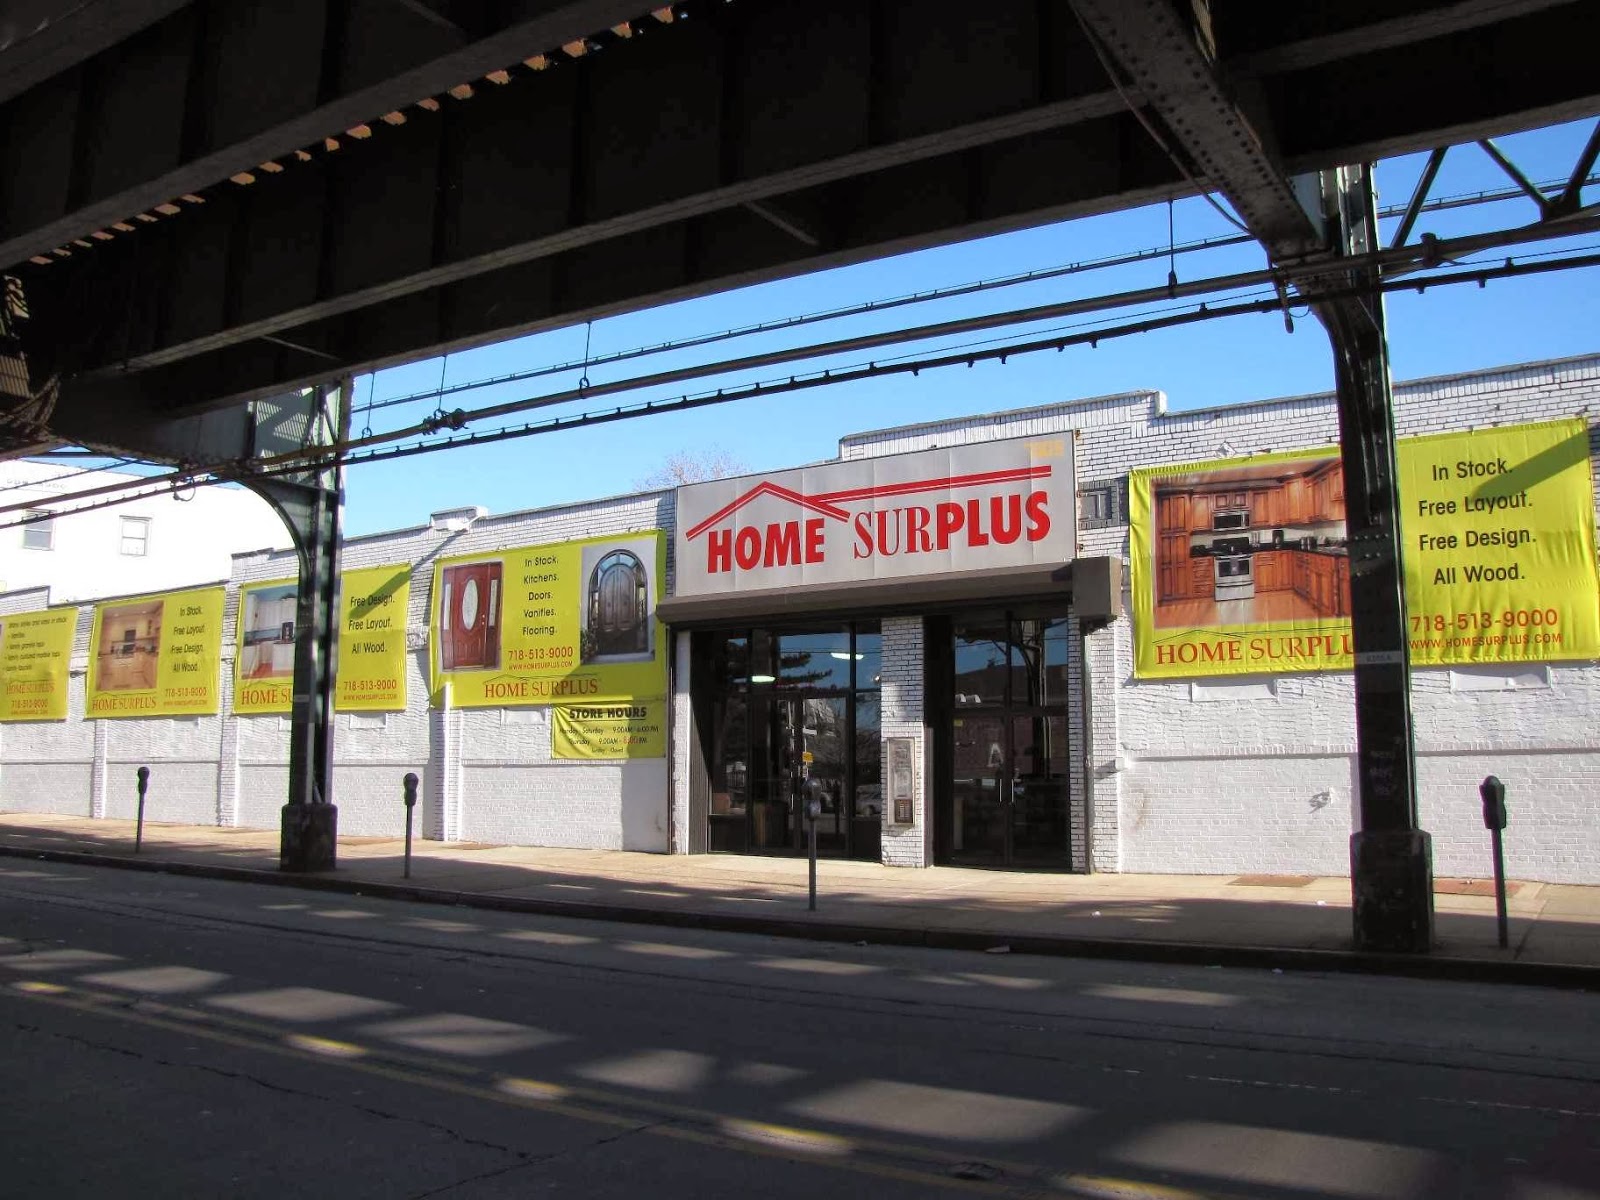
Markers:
point(1234, 578)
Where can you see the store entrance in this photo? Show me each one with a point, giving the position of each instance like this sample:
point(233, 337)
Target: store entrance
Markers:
point(999, 686)
point(800, 741)
point(1009, 804)
point(777, 711)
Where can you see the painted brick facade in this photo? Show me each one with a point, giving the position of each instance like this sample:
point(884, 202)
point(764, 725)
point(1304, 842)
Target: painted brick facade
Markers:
point(1188, 777)
point(1252, 775)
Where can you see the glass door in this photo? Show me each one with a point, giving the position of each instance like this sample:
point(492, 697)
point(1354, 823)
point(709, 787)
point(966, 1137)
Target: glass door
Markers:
point(982, 789)
point(801, 742)
point(1008, 749)
point(1039, 789)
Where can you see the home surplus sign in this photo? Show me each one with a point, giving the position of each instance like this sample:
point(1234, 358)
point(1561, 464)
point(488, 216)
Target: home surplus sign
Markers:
point(1497, 546)
point(960, 508)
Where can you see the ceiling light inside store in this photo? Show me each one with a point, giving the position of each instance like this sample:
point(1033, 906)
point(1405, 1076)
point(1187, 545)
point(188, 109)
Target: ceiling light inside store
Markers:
point(762, 678)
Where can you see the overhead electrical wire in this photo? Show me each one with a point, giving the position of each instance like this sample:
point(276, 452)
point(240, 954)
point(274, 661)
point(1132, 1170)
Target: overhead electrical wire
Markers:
point(953, 291)
point(327, 456)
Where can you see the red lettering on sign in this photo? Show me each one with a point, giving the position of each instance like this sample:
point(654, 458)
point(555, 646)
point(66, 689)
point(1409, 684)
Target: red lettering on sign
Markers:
point(948, 518)
point(975, 534)
point(783, 544)
point(719, 551)
point(917, 537)
point(747, 548)
point(814, 540)
point(1005, 518)
point(863, 546)
point(1038, 517)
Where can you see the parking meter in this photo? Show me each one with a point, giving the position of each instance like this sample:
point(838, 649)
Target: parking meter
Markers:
point(1494, 802)
point(1494, 820)
point(143, 776)
point(813, 808)
point(409, 794)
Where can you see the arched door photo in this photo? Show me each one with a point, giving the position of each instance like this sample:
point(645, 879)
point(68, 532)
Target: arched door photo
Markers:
point(617, 613)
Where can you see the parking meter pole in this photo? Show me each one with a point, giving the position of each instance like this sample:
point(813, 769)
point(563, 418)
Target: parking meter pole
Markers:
point(812, 838)
point(1493, 793)
point(410, 784)
point(1500, 890)
point(138, 829)
point(813, 810)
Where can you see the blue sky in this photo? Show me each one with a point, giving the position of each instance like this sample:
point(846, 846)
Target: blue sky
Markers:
point(1216, 362)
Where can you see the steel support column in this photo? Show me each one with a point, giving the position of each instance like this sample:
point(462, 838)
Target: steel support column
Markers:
point(1391, 859)
point(310, 504)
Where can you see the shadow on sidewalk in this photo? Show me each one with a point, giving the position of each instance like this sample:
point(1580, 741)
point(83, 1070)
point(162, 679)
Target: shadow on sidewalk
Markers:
point(1296, 920)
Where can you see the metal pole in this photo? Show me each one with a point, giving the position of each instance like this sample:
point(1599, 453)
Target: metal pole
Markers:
point(138, 829)
point(1500, 889)
point(812, 837)
point(410, 783)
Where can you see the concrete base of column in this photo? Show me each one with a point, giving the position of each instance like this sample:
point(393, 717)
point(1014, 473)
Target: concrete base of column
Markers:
point(1391, 881)
point(309, 840)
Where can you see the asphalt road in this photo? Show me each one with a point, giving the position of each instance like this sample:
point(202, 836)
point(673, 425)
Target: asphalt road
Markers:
point(183, 1037)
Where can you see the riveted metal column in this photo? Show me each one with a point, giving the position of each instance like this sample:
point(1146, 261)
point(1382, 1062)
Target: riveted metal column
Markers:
point(1391, 859)
point(310, 503)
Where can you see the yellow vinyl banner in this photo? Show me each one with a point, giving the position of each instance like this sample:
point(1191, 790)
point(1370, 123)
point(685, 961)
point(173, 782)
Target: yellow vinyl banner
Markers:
point(592, 731)
point(372, 639)
point(35, 649)
point(1242, 566)
point(1498, 529)
point(569, 621)
point(371, 675)
point(263, 662)
point(156, 656)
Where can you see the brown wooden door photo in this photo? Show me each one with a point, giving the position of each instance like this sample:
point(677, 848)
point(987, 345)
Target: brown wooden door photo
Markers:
point(469, 616)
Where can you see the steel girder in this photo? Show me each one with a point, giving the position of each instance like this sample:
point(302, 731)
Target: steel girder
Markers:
point(1300, 222)
point(745, 142)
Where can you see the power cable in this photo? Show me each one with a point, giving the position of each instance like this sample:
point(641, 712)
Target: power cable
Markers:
point(297, 463)
point(1128, 258)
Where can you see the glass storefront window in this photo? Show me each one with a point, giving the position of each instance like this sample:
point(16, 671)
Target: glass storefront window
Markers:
point(815, 660)
point(730, 773)
point(869, 655)
point(983, 658)
point(789, 711)
point(869, 756)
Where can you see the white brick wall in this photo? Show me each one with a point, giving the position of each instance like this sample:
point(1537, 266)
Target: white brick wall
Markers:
point(901, 716)
point(484, 777)
point(1186, 782)
point(1183, 778)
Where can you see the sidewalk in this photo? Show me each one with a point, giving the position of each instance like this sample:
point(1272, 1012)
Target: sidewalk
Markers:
point(1278, 921)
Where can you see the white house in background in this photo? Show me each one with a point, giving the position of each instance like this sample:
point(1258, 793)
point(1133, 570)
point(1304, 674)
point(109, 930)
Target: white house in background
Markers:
point(146, 545)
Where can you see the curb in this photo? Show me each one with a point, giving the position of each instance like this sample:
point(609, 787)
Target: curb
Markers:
point(1455, 968)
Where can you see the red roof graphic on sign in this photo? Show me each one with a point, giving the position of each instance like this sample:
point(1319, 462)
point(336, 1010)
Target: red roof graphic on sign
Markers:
point(827, 503)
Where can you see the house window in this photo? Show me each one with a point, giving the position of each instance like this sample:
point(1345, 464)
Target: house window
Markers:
point(40, 532)
point(136, 536)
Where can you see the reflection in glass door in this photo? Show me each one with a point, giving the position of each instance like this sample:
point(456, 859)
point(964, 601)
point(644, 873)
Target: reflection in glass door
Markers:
point(1008, 742)
point(982, 786)
point(799, 741)
point(1038, 789)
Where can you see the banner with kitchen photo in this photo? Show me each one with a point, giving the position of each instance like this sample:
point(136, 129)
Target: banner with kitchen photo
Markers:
point(1242, 566)
point(35, 649)
point(156, 656)
point(537, 625)
point(263, 662)
point(598, 731)
point(371, 673)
